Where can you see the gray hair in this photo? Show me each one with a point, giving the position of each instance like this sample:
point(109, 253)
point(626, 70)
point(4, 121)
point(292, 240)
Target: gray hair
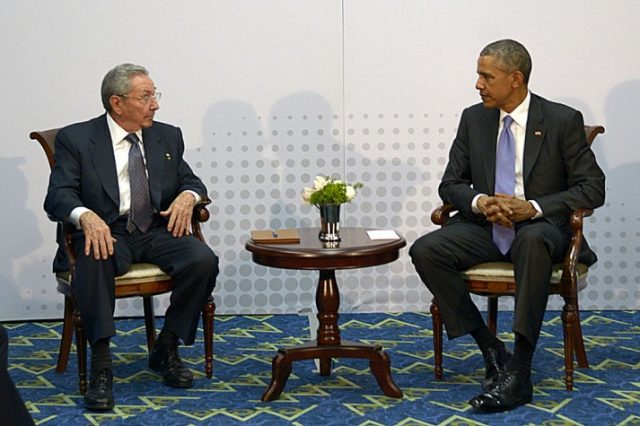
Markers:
point(118, 82)
point(512, 55)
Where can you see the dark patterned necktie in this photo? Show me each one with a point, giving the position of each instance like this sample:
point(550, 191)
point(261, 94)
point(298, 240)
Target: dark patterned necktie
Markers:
point(505, 181)
point(140, 212)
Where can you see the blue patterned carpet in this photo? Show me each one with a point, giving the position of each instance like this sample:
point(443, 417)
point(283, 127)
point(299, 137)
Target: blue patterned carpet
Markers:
point(608, 393)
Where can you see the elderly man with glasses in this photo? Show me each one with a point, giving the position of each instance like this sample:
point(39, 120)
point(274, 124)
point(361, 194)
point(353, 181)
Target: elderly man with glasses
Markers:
point(122, 180)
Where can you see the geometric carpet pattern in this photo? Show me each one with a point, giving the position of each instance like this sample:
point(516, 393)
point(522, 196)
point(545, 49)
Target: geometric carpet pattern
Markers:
point(607, 393)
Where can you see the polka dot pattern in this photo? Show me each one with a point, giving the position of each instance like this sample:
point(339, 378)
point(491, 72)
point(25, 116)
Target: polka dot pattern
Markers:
point(257, 166)
point(259, 175)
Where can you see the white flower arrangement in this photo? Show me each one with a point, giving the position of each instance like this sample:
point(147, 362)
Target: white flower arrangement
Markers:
point(327, 190)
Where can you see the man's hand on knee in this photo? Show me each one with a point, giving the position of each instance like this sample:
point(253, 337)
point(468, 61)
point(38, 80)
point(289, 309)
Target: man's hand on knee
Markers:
point(97, 236)
point(179, 213)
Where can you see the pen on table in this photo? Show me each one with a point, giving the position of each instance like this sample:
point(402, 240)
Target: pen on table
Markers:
point(274, 234)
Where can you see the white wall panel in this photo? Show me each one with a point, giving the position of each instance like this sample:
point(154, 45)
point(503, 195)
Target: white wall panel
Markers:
point(270, 93)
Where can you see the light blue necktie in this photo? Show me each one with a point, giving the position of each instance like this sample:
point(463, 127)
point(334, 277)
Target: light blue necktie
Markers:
point(141, 211)
point(505, 181)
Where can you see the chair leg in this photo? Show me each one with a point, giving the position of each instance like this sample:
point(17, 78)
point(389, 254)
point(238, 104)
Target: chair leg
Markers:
point(208, 313)
point(81, 348)
point(569, 331)
point(67, 336)
point(581, 353)
point(436, 320)
point(149, 321)
point(492, 314)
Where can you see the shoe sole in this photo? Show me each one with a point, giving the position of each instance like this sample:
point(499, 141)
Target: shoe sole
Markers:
point(99, 407)
point(171, 384)
point(178, 385)
point(500, 409)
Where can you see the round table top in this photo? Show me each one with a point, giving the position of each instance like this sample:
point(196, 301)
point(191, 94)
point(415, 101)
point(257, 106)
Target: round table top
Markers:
point(355, 250)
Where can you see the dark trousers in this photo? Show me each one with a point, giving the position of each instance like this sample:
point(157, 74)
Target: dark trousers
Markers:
point(190, 262)
point(12, 409)
point(440, 256)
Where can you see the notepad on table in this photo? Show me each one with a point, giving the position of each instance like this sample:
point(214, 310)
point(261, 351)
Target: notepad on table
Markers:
point(383, 234)
point(277, 236)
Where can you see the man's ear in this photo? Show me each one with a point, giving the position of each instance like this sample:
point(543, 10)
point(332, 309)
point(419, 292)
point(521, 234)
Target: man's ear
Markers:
point(116, 104)
point(518, 79)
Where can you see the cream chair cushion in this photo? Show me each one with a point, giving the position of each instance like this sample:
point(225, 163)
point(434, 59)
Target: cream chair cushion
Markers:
point(503, 272)
point(139, 272)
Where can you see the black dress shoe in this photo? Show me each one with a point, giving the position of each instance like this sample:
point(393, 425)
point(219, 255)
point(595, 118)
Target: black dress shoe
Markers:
point(166, 361)
point(99, 396)
point(510, 390)
point(495, 362)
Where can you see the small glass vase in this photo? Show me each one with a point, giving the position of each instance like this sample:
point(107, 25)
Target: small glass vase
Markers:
point(329, 222)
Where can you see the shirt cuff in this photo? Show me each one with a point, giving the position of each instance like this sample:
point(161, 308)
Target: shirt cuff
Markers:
point(195, 194)
point(538, 209)
point(474, 203)
point(75, 214)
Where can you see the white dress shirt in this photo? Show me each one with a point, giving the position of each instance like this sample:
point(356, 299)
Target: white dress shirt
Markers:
point(121, 148)
point(519, 131)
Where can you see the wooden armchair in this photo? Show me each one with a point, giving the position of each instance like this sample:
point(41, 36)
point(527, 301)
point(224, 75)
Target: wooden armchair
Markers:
point(496, 279)
point(143, 279)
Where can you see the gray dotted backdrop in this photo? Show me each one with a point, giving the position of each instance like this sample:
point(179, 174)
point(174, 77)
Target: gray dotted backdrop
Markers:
point(256, 167)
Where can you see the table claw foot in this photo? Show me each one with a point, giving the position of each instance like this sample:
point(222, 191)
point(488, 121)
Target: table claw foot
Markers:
point(281, 369)
point(381, 369)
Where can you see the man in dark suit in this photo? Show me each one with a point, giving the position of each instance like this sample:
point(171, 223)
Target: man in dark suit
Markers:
point(122, 180)
point(549, 171)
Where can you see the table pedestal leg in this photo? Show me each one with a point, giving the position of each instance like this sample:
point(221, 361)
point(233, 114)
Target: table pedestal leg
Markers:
point(329, 345)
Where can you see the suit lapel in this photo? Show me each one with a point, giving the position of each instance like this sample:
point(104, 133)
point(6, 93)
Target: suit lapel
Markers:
point(533, 138)
point(154, 152)
point(104, 162)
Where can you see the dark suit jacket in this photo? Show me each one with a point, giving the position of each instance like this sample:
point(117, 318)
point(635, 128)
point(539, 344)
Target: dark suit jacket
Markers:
point(560, 170)
point(85, 170)
point(12, 408)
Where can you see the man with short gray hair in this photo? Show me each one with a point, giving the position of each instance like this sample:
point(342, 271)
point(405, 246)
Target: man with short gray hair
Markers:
point(122, 180)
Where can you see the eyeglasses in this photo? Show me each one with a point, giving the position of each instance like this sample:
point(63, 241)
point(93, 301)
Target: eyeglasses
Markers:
point(145, 98)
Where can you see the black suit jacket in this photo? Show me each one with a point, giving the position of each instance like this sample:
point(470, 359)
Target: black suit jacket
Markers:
point(560, 170)
point(85, 172)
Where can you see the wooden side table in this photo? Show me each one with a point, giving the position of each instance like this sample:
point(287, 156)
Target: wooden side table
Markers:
point(355, 250)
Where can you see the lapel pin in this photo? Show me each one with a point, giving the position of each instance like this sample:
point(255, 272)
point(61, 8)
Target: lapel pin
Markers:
point(538, 132)
point(167, 156)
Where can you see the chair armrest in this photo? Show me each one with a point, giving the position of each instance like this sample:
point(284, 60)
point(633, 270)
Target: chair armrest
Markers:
point(441, 215)
point(200, 215)
point(200, 212)
point(67, 234)
point(568, 286)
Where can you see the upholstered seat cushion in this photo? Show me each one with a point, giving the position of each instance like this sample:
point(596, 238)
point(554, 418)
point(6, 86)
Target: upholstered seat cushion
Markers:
point(503, 272)
point(139, 272)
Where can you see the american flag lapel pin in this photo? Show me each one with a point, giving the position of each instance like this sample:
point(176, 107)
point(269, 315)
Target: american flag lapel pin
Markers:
point(537, 132)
